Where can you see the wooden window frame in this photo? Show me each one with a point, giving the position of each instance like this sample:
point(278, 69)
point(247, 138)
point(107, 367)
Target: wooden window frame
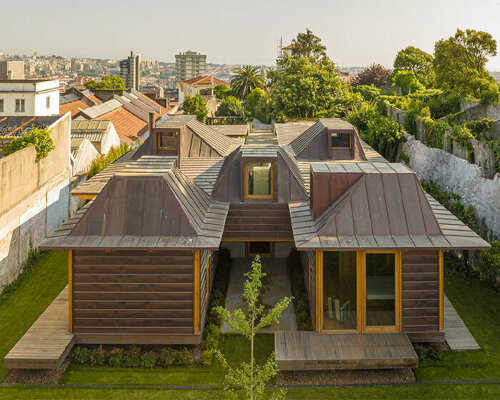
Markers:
point(341, 133)
point(253, 196)
point(158, 138)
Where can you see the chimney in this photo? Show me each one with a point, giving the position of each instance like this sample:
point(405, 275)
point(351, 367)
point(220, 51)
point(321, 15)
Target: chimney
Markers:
point(151, 122)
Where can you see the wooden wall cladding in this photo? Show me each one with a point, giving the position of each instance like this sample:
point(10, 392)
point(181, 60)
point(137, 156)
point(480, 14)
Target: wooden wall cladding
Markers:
point(420, 298)
point(132, 292)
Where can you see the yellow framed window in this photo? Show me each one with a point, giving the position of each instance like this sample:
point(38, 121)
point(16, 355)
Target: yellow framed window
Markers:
point(259, 180)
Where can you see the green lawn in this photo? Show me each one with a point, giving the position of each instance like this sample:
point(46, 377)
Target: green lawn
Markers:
point(36, 290)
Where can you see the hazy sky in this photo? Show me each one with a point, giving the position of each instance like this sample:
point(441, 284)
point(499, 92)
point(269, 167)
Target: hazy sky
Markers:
point(355, 32)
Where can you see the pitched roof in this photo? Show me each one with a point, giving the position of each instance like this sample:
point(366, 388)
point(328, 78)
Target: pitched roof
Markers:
point(232, 130)
point(100, 109)
point(74, 107)
point(385, 208)
point(205, 80)
point(146, 207)
point(222, 144)
point(127, 125)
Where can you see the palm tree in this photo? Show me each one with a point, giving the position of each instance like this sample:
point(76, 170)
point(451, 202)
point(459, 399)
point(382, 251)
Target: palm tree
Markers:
point(247, 78)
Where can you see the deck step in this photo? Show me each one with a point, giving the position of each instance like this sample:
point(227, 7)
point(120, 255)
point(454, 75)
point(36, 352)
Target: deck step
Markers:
point(315, 351)
point(47, 343)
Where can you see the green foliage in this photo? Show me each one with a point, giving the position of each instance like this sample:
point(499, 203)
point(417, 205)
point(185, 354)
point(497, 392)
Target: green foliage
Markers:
point(250, 376)
point(195, 105)
point(132, 357)
point(375, 74)
point(369, 92)
point(403, 157)
point(463, 136)
point(299, 292)
point(490, 96)
point(434, 132)
point(488, 267)
point(246, 79)
point(309, 45)
point(116, 357)
point(444, 104)
point(38, 137)
point(98, 357)
point(407, 81)
point(106, 160)
point(183, 357)
point(206, 358)
point(301, 88)
point(459, 62)
point(148, 359)
point(259, 105)
point(81, 355)
point(212, 337)
point(221, 91)
point(384, 135)
point(167, 357)
point(108, 82)
point(230, 107)
point(428, 353)
point(360, 116)
point(417, 61)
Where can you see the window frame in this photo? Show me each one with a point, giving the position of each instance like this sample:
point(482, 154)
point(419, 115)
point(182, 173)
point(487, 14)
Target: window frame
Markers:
point(2, 105)
point(47, 102)
point(176, 136)
point(259, 196)
point(22, 105)
point(338, 134)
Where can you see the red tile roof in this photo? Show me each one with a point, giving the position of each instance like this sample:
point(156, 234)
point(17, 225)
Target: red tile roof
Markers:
point(73, 107)
point(206, 80)
point(95, 99)
point(127, 125)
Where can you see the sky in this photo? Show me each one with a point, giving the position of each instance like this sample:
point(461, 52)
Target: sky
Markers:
point(355, 32)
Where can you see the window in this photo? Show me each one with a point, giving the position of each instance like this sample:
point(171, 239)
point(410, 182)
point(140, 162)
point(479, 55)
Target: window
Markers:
point(19, 105)
point(167, 141)
point(47, 101)
point(1, 105)
point(263, 249)
point(259, 180)
point(341, 140)
point(380, 289)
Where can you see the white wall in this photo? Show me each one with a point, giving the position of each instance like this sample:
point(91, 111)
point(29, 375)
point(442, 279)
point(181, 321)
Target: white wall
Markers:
point(34, 93)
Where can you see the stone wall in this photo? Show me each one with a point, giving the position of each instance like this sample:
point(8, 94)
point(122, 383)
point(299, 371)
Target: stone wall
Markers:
point(453, 174)
point(34, 199)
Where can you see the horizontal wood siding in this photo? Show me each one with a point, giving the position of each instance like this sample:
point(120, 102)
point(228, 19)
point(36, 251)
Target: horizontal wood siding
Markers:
point(266, 221)
point(308, 261)
point(133, 292)
point(420, 292)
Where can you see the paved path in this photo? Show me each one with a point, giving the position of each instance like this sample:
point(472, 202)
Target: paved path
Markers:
point(261, 133)
point(457, 334)
point(278, 288)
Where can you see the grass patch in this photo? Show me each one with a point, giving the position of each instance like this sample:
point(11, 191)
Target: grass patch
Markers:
point(235, 347)
point(34, 291)
point(479, 306)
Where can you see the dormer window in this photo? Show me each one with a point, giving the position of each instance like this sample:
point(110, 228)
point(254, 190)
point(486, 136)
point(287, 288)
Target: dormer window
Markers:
point(341, 141)
point(167, 141)
point(259, 180)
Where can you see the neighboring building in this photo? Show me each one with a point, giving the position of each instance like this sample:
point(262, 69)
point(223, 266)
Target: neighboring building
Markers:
point(11, 70)
point(200, 84)
point(370, 240)
point(189, 65)
point(29, 97)
point(130, 71)
point(83, 153)
point(102, 134)
point(74, 100)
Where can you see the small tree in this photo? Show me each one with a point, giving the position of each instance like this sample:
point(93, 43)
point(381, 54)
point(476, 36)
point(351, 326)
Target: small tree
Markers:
point(38, 137)
point(375, 74)
point(108, 82)
point(407, 81)
point(230, 107)
point(221, 91)
point(309, 45)
point(249, 376)
point(195, 106)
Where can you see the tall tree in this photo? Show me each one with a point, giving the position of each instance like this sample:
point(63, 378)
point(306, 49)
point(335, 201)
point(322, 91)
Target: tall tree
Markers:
point(108, 82)
point(460, 62)
point(302, 88)
point(308, 45)
point(195, 106)
point(246, 79)
point(416, 60)
point(230, 107)
point(375, 74)
point(250, 376)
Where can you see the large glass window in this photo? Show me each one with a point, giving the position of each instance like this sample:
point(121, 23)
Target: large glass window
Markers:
point(380, 289)
point(259, 180)
point(167, 140)
point(341, 140)
point(339, 290)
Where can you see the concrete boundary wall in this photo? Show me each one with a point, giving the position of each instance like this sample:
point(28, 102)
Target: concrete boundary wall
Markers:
point(454, 174)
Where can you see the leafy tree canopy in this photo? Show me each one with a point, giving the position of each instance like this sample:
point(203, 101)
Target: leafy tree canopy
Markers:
point(221, 91)
point(309, 45)
point(460, 60)
point(107, 82)
point(246, 79)
point(195, 105)
point(259, 104)
point(416, 60)
point(38, 137)
point(407, 81)
point(230, 107)
point(375, 74)
point(302, 88)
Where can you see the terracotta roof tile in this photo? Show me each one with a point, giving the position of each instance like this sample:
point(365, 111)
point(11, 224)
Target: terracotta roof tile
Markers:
point(127, 125)
point(206, 80)
point(95, 99)
point(73, 107)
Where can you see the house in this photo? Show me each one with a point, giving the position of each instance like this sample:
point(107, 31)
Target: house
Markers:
point(371, 241)
point(29, 97)
point(102, 134)
point(74, 100)
point(203, 85)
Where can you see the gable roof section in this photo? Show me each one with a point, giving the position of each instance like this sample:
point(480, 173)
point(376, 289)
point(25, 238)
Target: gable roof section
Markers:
point(205, 80)
point(298, 145)
point(386, 208)
point(127, 125)
point(73, 106)
point(287, 132)
point(222, 144)
point(144, 206)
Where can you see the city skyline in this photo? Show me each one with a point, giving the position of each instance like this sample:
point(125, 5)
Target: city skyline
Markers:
point(356, 33)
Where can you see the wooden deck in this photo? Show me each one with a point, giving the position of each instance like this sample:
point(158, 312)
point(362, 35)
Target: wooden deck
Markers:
point(314, 351)
point(47, 342)
point(457, 335)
